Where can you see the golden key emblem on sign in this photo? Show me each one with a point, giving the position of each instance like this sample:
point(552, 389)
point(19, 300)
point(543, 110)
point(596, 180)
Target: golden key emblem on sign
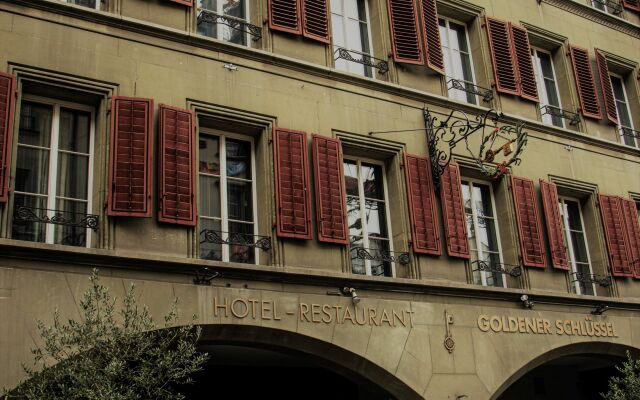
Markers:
point(449, 343)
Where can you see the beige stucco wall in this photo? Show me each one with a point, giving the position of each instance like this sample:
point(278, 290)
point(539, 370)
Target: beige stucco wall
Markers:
point(480, 363)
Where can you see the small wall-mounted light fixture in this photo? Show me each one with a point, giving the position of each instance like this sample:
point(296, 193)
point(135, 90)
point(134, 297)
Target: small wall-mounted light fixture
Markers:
point(526, 302)
point(600, 309)
point(205, 277)
point(349, 291)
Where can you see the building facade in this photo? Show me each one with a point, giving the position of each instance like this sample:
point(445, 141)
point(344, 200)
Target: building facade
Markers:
point(406, 199)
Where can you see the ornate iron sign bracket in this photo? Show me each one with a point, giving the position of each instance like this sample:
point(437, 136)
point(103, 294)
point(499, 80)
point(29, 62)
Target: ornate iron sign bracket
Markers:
point(512, 270)
point(504, 140)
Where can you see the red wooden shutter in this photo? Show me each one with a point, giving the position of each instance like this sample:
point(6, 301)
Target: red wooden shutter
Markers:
point(607, 90)
point(284, 15)
point(631, 4)
point(522, 52)
point(405, 36)
point(502, 57)
point(553, 219)
point(527, 216)
point(329, 185)
point(425, 234)
point(188, 3)
point(293, 200)
point(315, 20)
point(455, 220)
point(176, 166)
point(614, 230)
point(130, 172)
point(7, 106)
point(589, 105)
point(632, 226)
point(431, 32)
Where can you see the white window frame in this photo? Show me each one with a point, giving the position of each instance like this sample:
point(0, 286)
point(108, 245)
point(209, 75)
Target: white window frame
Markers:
point(448, 54)
point(219, 11)
point(53, 158)
point(474, 214)
point(626, 104)
point(544, 96)
point(224, 217)
point(363, 215)
point(344, 29)
point(569, 240)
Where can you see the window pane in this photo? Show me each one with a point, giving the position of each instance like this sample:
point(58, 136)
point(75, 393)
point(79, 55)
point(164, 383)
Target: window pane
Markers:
point(487, 234)
point(353, 216)
point(357, 264)
point(32, 170)
point(239, 232)
point(458, 37)
point(210, 251)
point(209, 155)
point(238, 159)
point(351, 9)
point(209, 196)
point(35, 124)
point(239, 201)
point(26, 230)
point(351, 178)
point(234, 8)
point(379, 249)
point(337, 30)
point(579, 247)
point(85, 3)
point(493, 278)
point(74, 130)
point(372, 181)
point(573, 214)
point(376, 222)
point(70, 235)
point(545, 65)
point(73, 172)
point(482, 199)
point(585, 288)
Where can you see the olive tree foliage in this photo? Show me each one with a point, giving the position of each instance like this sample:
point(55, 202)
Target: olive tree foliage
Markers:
point(627, 385)
point(115, 351)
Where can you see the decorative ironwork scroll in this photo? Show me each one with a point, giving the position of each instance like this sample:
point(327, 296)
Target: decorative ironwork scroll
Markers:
point(501, 268)
point(401, 258)
point(486, 94)
point(361, 58)
point(626, 131)
point(604, 281)
point(614, 7)
point(66, 218)
point(235, 238)
point(573, 118)
point(238, 24)
point(496, 141)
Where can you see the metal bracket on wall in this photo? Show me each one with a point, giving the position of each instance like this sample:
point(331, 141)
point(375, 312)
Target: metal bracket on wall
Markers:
point(449, 343)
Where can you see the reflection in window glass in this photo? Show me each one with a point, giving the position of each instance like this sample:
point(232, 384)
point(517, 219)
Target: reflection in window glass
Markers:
point(624, 115)
point(576, 243)
point(482, 233)
point(53, 171)
point(457, 59)
point(226, 187)
point(366, 200)
point(349, 25)
point(234, 9)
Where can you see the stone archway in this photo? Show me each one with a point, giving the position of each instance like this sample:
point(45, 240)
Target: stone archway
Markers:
point(597, 355)
point(335, 364)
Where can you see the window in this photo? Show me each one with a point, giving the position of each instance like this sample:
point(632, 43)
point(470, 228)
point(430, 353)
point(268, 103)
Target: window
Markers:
point(367, 201)
point(608, 6)
point(457, 58)
point(624, 114)
point(53, 175)
point(350, 31)
point(230, 9)
point(576, 243)
point(95, 4)
point(482, 231)
point(547, 85)
point(227, 196)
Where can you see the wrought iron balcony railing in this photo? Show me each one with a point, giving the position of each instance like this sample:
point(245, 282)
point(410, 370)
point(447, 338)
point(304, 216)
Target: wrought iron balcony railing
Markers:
point(235, 238)
point(573, 118)
point(239, 24)
point(626, 131)
point(500, 268)
point(361, 58)
point(613, 7)
point(604, 281)
point(458, 84)
point(362, 253)
point(56, 217)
